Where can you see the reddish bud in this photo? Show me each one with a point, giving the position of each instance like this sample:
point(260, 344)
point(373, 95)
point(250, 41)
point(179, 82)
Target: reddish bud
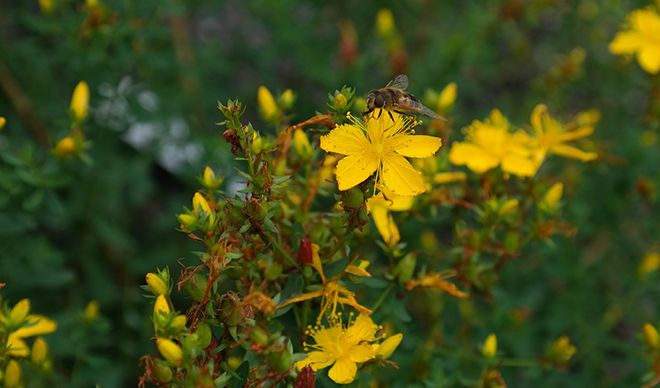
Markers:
point(304, 256)
point(305, 378)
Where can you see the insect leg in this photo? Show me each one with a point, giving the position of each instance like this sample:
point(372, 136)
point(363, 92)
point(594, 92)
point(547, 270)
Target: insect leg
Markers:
point(367, 112)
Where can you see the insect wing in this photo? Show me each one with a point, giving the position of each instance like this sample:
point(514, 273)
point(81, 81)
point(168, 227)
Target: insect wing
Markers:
point(412, 104)
point(399, 82)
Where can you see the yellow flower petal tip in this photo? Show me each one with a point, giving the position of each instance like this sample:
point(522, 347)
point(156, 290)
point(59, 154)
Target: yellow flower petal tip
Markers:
point(388, 346)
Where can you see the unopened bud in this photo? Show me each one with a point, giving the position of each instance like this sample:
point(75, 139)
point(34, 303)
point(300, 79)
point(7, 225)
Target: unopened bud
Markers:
point(267, 105)
point(204, 335)
point(651, 337)
point(209, 179)
point(287, 99)
point(279, 358)
point(259, 336)
point(196, 286)
point(80, 101)
point(489, 349)
point(169, 350)
point(19, 312)
point(178, 323)
point(12, 374)
point(353, 198)
point(231, 310)
point(405, 268)
point(66, 148)
point(304, 255)
point(39, 350)
point(157, 285)
point(162, 371)
point(301, 144)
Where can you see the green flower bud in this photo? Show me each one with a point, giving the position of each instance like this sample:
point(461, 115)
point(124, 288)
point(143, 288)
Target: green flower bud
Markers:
point(162, 372)
point(353, 198)
point(204, 335)
point(259, 336)
point(196, 286)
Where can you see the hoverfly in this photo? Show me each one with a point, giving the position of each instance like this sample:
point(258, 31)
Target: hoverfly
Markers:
point(393, 97)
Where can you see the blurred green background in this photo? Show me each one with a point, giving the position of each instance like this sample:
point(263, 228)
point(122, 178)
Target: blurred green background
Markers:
point(74, 231)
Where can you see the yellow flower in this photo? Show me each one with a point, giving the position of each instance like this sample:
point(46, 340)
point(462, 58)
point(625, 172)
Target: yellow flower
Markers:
point(3, 121)
point(344, 347)
point(331, 293)
point(640, 37)
point(490, 346)
point(380, 206)
point(380, 145)
point(490, 144)
point(161, 306)
point(12, 374)
point(551, 136)
point(80, 101)
point(267, 105)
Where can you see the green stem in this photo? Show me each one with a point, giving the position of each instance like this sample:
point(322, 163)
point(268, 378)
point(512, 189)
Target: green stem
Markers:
point(281, 251)
point(383, 296)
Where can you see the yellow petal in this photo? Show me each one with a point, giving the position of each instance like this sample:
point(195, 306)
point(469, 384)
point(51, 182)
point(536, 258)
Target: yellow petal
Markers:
point(575, 134)
point(355, 169)
point(415, 146)
point(400, 176)
point(316, 359)
point(345, 139)
point(573, 153)
point(17, 347)
point(448, 177)
point(316, 261)
point(38, 325)
point(388, 346)
point(301, 297)
point(362, 353)
point(626, 43)
point(362, 329)
point(474, 157)
point(383, 219)
point(359, 270)
point(649, 58)
point(519, 165)
point(80, 101)
point(343, 372)
point(447, 97)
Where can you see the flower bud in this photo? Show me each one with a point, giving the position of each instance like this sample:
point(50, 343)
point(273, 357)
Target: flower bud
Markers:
point(447, 98)
point(204, 335)
point(489, 349)
point(66, 148)
point(39, 350)
point(279, 358)
point(405, 268)
point(161, 306)
point(210, 180)
point(508, 207)
point(3, 121)
point(203, 209)
point(12, 374)
point(301, 144)
point(91, 311)
point(259, 336)
point(388, 346)
point(552, 197)
point(169, 350)
point(267, 105)
point(47, 6)
point(353, 198)
point(304, 255)
point(231, 311)
point(287, 99)
point(80, 101)
point(178, 323)
point(196, 287)
point(561, 350)
point(19, 312)
point(385, 22)
point(650, 263)
point(340, 101)
point(651, 337)
point(157, 284)
point(162, 371)
point(305, 378)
